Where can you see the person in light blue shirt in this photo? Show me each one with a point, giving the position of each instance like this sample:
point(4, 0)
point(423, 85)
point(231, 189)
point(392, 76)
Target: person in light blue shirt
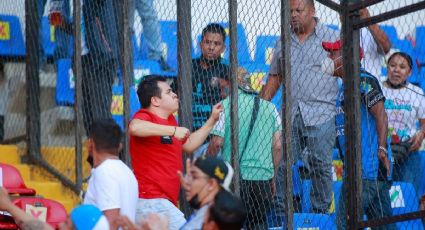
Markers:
point(375, 151)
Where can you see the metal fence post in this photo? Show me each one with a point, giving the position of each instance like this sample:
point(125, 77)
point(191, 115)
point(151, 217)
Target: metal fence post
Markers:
point(184, 77)
point(286, 110)
point(234, 121)
point(351, 63)
point(77, 70)
point(126, 56)
point(32, 38)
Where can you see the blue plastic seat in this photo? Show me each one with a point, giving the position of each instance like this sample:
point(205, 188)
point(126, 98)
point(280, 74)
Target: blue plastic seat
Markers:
point(306, 202)
point(169, 43)
point(332, 26)
point(313, 221)
point(65, 83)
point(404, 200)
point(48, 35)
point(11, 38)
point(420, 44)
point(391, 32)
point(117, 107)
point(264, 48)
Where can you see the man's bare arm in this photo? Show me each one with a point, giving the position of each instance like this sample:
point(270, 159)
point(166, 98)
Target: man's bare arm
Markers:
point(272, 85)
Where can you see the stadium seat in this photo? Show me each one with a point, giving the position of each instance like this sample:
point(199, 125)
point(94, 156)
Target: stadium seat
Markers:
point(313, 221)
point(46, 210)
point(48, 35)
point(420, 39)
point(13, 181)
point(404, 200)
point(11, 38)
point(305, 200)
point(391, 32)
point(264, 48)
point(244, 57)
point(7, 221)
point(117, 107)
point(65, 83)
point(420, 44)
point(332, 26)
point(169, 43)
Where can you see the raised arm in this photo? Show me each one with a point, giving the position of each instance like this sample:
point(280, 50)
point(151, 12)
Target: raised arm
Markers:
point(141, 128)
point(197, 138)
point(380, 37)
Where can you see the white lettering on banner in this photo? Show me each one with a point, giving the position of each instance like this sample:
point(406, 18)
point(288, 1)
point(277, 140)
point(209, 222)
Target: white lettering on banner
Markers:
point(396, 196)
point(71, 78)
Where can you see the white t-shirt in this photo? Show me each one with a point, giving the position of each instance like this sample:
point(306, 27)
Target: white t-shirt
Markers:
point(372, 59)
point(404, 108)
point(113, 185)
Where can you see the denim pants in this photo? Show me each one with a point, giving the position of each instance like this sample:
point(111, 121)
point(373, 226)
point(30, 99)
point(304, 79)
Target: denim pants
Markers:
point(313, 145)
point(160, 206)
point(97, 80)
point(151, 28)
point(257, 198)
point(376, 203)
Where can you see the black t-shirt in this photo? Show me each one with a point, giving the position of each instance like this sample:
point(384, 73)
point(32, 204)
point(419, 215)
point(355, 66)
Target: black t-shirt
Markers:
point(205, 90)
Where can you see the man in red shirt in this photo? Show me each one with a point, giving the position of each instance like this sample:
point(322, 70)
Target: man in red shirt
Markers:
point(156, 147)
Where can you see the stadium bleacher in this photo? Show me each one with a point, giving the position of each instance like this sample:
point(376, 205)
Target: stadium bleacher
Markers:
point(11, 37)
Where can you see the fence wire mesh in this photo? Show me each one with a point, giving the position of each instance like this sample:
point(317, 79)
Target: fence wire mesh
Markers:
point(317, 115)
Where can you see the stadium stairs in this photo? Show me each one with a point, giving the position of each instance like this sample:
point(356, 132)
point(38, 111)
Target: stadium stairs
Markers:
point(45, 184)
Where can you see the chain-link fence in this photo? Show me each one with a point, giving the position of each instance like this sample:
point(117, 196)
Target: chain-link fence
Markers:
point(289, 115)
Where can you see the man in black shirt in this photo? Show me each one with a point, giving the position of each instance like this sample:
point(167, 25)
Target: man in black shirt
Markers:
point(207, 72)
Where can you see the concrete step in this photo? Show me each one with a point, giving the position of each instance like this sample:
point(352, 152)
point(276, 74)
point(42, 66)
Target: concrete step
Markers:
point(69, 204)
point(9, 154)
point(47, 189)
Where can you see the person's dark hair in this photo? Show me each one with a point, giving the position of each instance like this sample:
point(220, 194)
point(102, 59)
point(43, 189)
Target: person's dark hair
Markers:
point(148, 88)
point(227, 211)
point(405, 56)
point(214, 28)
point(106, 135)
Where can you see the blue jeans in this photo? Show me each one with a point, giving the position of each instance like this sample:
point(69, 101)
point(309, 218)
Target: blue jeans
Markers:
point(313, 145)
point(151, 28)
point(376, 203)
point(160, 206)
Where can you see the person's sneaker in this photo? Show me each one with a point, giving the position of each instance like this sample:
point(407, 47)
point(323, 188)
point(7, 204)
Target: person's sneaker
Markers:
point(164, 65)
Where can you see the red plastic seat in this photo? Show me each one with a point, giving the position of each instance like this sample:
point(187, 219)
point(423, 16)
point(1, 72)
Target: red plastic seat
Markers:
point(56, 213)
point(13, 182)
point(7, 222)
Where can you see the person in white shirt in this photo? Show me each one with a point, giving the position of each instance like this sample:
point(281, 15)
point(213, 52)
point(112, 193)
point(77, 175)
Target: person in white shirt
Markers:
point(112, 186)
point(405, 106)
point(375, 44)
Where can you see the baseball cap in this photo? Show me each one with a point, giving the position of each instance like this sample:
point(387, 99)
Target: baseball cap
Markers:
point(216, 168)
point(88, 217)
point(337, 45)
